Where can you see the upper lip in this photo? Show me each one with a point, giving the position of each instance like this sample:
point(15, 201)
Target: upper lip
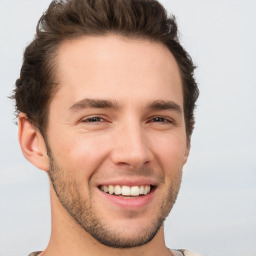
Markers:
point(129, 182)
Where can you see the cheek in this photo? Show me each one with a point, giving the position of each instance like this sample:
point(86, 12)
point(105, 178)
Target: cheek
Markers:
point(169, 153)
point(80, 155)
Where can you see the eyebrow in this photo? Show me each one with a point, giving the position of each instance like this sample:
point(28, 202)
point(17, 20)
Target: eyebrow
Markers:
point(101, 103)
point(94, 103)
point(165, 105)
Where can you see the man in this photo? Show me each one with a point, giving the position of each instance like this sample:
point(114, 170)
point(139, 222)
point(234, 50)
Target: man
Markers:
point(105, 104)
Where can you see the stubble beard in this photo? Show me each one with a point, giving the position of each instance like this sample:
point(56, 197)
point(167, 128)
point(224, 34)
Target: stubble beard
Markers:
point(81, 210)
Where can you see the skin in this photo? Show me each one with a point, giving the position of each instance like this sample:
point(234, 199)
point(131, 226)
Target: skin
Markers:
point(134, 139)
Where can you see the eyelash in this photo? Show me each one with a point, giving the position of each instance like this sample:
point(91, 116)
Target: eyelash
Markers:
point(159, 119)
point(94, 119)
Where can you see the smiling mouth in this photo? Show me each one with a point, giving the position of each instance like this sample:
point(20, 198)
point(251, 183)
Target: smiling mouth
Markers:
point(127, 191)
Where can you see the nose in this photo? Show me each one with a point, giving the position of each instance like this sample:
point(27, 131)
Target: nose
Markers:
point(130, 147)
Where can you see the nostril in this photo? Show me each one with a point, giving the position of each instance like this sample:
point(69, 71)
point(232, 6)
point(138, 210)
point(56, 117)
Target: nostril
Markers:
point(131, 153)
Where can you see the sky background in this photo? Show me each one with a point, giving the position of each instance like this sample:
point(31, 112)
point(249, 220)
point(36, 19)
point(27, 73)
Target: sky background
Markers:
point(216, 209)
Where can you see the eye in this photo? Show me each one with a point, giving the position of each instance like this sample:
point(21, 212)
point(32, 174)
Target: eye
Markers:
point(159, 119)
point(161, 123)
point(93, 123)
point(94, 119)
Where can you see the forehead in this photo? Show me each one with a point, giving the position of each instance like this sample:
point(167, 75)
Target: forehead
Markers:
point(114, 66)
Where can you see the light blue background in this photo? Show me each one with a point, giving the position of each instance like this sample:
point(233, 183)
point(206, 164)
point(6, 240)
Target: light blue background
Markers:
point(216, 209)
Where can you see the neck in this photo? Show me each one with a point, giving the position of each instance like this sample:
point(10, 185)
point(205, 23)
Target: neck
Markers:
point(68, 238)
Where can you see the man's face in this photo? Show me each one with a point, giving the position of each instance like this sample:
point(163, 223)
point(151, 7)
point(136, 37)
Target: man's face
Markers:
point(116, 130)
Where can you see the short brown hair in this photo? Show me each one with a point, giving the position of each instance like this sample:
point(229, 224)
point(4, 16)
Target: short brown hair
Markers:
point(64, 20)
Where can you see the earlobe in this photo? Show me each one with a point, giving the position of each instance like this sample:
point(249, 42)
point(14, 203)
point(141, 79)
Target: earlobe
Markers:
point(32, 143)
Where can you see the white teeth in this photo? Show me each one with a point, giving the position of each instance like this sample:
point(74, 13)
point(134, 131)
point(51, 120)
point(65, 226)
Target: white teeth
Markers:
point(111, 189)
point(135, 191)
point(146, 190)
point(118, 190)
point(126, 190)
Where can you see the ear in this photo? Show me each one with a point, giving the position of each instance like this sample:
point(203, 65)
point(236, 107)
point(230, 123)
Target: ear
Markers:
point(32, 143)
point(186, 154)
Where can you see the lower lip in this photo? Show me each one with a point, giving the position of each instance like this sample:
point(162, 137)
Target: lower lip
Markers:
point(129, 203)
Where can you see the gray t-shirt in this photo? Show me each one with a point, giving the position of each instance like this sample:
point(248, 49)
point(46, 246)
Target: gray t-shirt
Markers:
point(34, 253)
